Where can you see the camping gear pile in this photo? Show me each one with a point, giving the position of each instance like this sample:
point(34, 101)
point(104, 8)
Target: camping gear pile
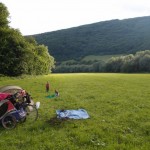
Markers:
point(15, 106)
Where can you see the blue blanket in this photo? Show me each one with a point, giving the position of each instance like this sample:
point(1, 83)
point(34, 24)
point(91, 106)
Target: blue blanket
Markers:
point(72, 114)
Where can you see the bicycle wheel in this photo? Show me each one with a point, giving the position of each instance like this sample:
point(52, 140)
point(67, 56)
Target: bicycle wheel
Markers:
point(32, 113)
point(9, 122)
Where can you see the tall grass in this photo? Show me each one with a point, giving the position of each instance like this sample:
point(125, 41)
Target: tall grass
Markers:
point(118, 105)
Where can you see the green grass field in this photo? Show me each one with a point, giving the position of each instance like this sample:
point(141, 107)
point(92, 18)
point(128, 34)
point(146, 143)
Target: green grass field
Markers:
point(118, 105)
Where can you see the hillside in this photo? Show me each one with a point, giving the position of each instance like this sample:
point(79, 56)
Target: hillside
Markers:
point(102, 38)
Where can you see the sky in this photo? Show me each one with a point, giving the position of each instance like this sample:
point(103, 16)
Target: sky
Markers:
point(39, 16)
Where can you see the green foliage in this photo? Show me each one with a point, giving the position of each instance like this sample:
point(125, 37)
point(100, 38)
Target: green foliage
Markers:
point(11, 52)
point(4, 14)
point(89, 63)
point(90, 46)
point(140, 62)
point(118, 105)
point(104, 58)
point(40, 61)
point(102, 38)
point(20, 55)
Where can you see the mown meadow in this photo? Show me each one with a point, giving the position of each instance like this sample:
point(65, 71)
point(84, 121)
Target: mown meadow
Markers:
point(118, 105)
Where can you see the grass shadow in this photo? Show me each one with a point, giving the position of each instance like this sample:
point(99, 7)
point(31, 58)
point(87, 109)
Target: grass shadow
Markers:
point(1, 127)
point(56, 122)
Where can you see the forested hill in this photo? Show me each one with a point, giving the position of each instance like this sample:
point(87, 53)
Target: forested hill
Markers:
point(102, 38)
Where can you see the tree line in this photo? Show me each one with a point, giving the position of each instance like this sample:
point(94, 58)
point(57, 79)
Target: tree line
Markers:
point(103, 38)
point(21, 55)
point(140, 62)
point(132, 63)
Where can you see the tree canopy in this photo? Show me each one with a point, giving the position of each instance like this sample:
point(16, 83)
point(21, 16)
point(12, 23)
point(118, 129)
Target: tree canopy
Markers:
point(4, 14)
point(19, 54)
point(101, 38)
point(140, 62)
point(114, 37)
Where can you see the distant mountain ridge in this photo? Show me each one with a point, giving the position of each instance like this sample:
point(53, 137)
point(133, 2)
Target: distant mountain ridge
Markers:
point(102, 38)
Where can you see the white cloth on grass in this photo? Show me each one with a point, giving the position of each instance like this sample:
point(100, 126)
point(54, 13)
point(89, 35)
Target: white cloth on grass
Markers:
point(72, 114)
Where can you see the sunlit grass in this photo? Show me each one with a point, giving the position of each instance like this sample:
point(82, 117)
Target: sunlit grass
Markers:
point(118, 105)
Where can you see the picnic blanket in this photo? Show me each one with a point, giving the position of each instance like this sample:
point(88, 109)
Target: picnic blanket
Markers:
point(72, 114)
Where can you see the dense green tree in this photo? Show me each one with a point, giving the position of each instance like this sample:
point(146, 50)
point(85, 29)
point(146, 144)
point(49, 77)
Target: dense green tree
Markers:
point(127, 65)
point(12, 52)
point(20, 55)
point(4, 14)
point(102, 38)
point(144, 63)
point(140, 62)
